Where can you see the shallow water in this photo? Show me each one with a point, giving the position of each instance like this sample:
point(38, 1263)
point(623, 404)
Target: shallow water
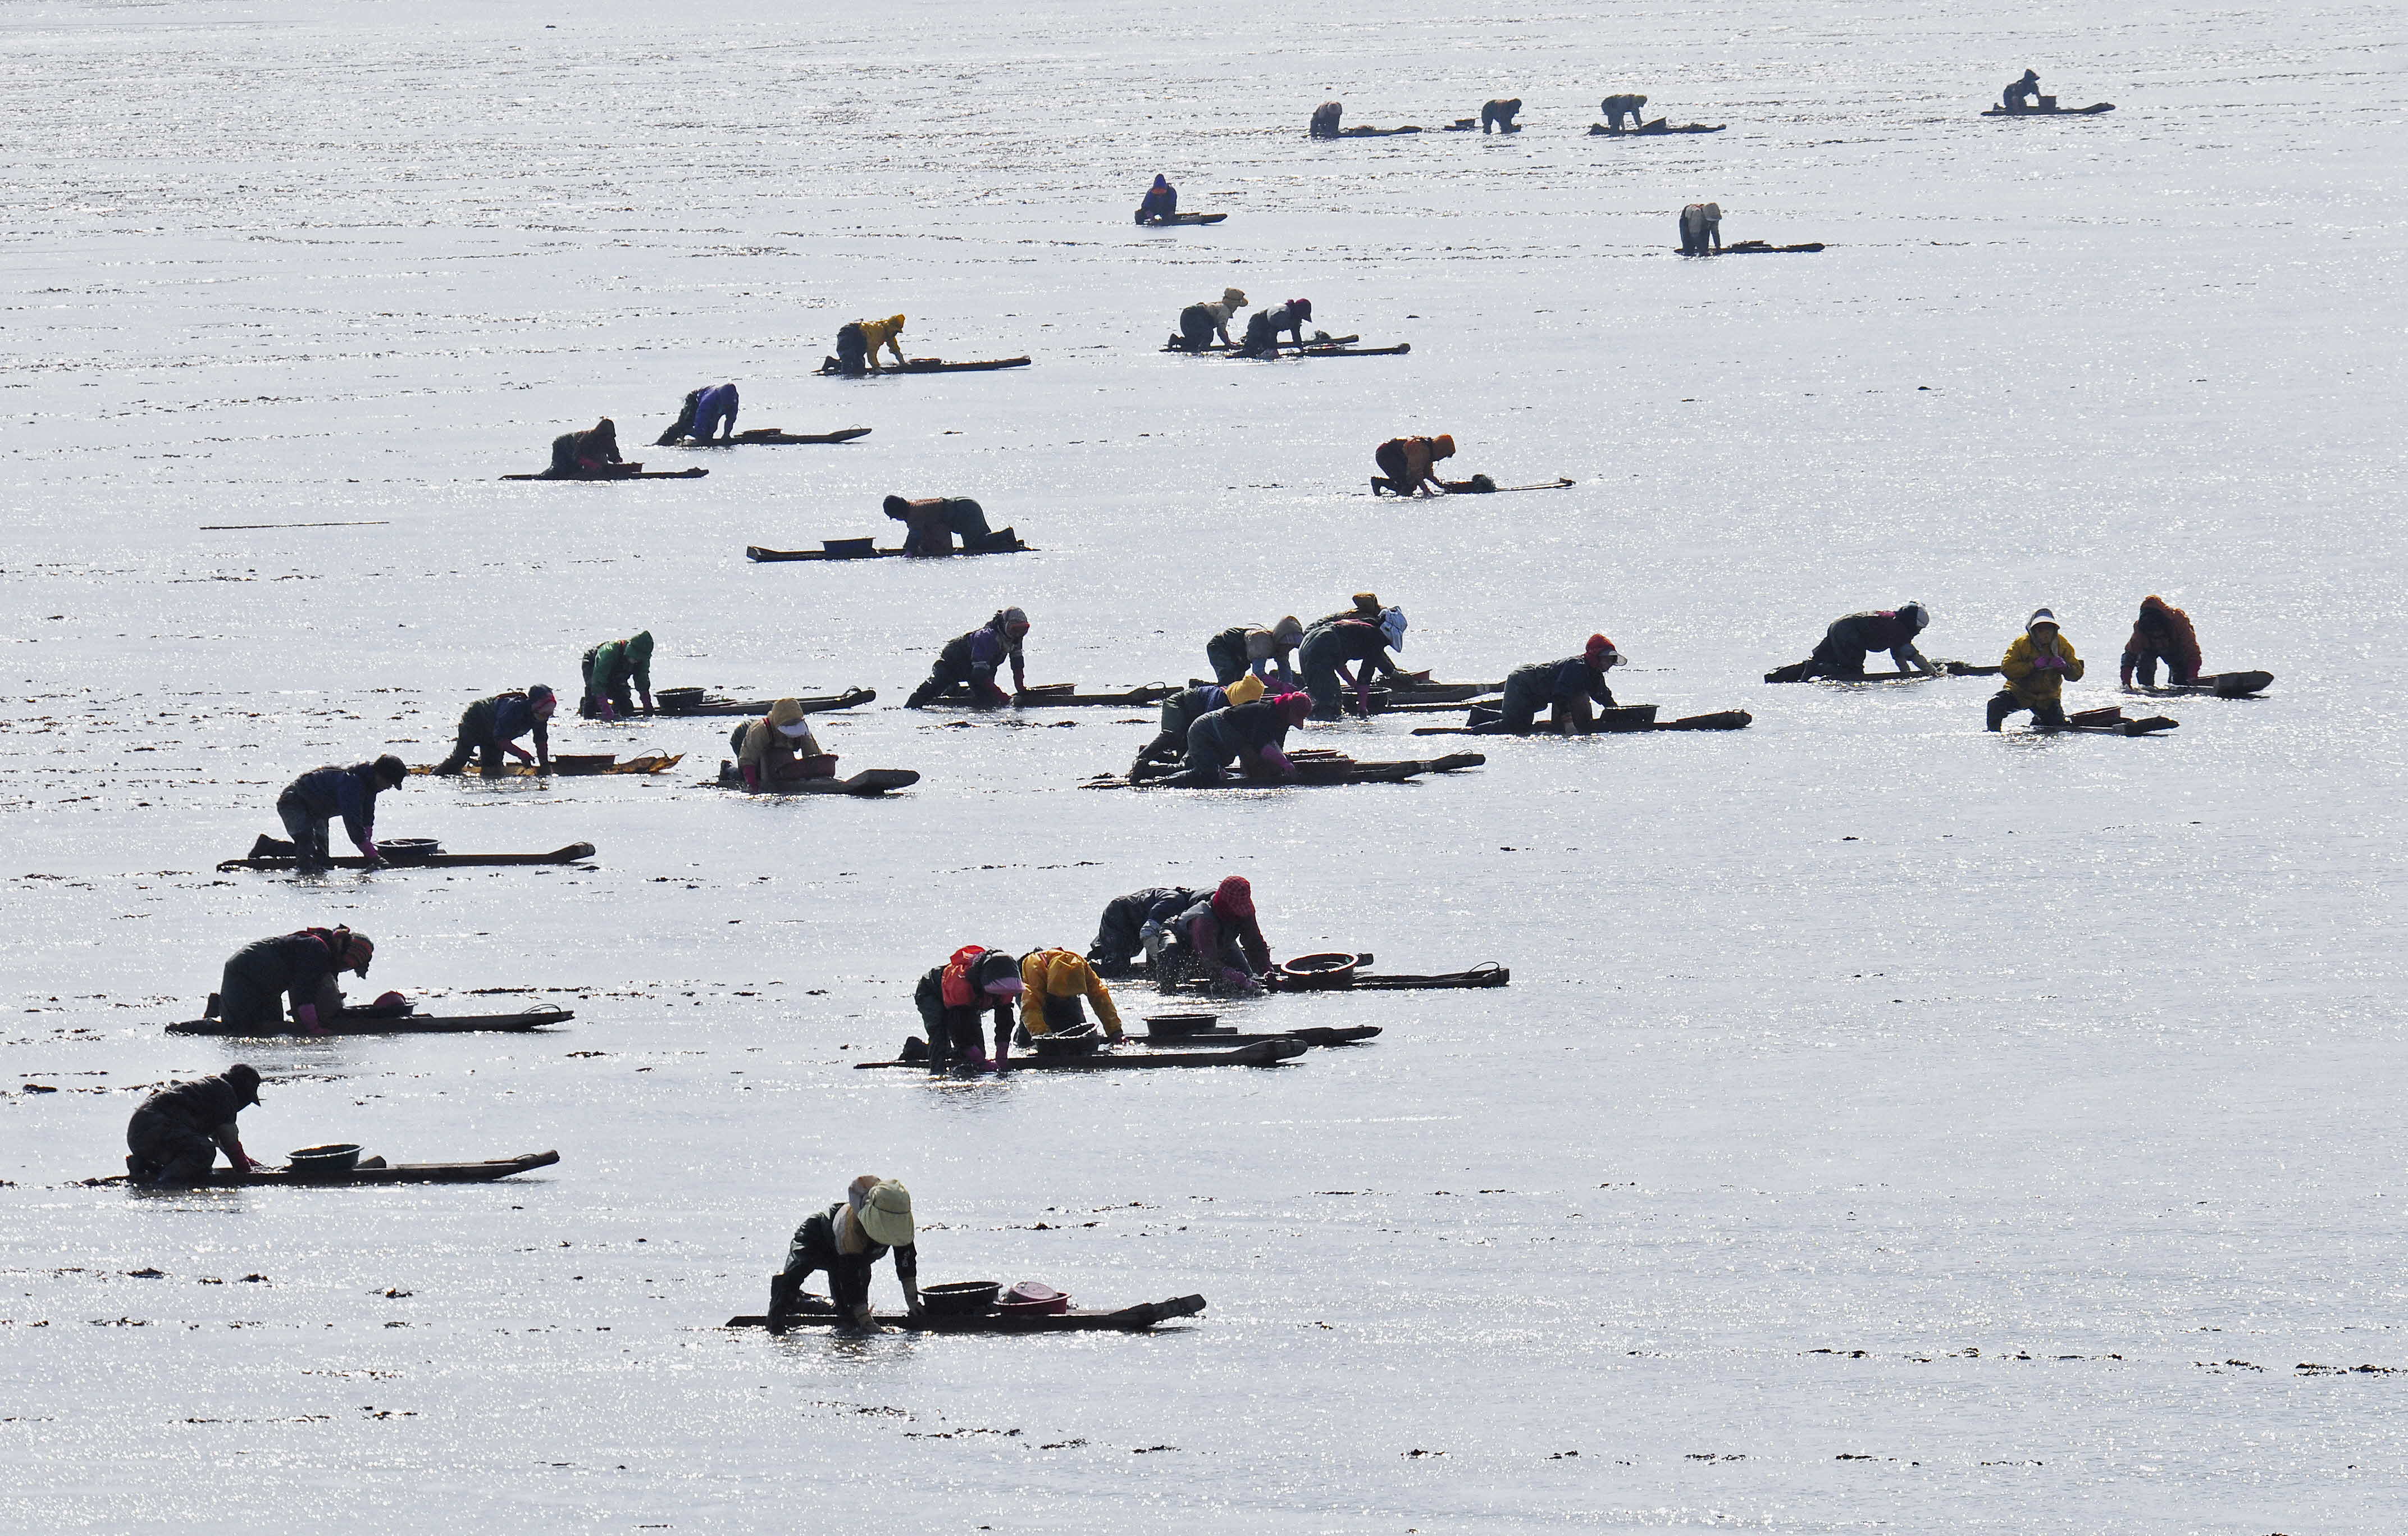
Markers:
point(1889, 1125)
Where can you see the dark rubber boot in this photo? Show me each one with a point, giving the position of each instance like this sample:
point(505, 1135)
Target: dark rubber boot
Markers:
point(2000, 705)
point(784, 1290)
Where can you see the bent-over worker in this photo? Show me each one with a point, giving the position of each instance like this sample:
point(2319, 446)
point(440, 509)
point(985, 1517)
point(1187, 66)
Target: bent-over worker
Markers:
point(1252, 736)
point(1564, 689)
point(1242, 648)
point(2036, 667)
point(1218, 942)
point(709, 415)
point(2017, 98)
point(1262, 328)
point(1199, 322)
point(857, 344)
point(174, 1136)
point(1366, 610)
point(1409, 465)
point(2161, 633)
point(1328, 647)
point(1701, 229)
point(974, 659)
point(610, 670)
point(779, 750)
point(1057, 987)
point(1181, 711)
point(313, 800)
point(952, 997)
point(257, 977)
point(932, 524)
point(1161, 201)
point(587, 454)
point(492, 726)
point(1842, 651)
point(1132, 924)
point(846, 1241)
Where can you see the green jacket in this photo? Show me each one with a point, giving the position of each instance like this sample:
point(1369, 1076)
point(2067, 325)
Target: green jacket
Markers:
point(620, 661)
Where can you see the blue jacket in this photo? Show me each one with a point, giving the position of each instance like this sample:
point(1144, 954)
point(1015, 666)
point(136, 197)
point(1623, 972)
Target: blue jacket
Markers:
point(346, 792)
point(513, 717)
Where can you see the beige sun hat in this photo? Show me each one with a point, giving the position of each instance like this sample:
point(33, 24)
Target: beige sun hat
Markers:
point(886, 1214)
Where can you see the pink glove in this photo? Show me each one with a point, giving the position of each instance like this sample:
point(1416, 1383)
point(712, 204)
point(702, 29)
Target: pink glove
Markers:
point(307, 1014)
point(241, 1159)
point(369, 850)
point(1277, 761)
point(610, 713)
point(518, 751)
point(752, 776)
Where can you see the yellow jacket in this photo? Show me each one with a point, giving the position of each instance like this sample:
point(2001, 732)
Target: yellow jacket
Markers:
point(882, 333)
point(2038, 685)
point(1063, 973)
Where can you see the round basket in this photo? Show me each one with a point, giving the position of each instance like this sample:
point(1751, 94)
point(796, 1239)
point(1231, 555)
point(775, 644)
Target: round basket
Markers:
point(409, 850)
point(320, 1162)
point(1320, 971)
point(1082, 1044)
point(1179, 1024)
point(961, 1298)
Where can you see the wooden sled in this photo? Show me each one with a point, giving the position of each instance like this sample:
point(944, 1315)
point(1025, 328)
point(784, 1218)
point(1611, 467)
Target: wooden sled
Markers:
point(1181, 220)
point(1176, 345)
point(830, 367)
point(376, 1171)
point(2221, 684)
point(1764, 248)
point(1062, 695)
point(582, 765)
point(692, 701)
point(1314, 766)
point(1369, 132)
point(2111, 720)
point(1003, 542)
point(632, 471)
point(391, 1021)
point(275, 853)
point(1318, 349)
point(1267, 1053)
point(2050, 110)
point(868, 781)
point(1617, 722)
point(771, 437)
point(1318, 1036)
point(1077, 1320)
point(1659, 128)
point(1796, 672)
point(1475, 486)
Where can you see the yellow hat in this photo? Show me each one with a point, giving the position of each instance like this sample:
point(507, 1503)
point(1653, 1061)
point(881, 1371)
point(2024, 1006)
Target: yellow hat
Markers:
point(1245, 689)
point(895, 321)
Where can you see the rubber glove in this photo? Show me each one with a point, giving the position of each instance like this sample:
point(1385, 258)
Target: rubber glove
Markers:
point(752, 775)
point(610, 713)
point(241, 1159)
point(307, 1014)
point(1278, 762)
point(369, 850)
point(648, 703)
point(518, 751)
point(912, 1302)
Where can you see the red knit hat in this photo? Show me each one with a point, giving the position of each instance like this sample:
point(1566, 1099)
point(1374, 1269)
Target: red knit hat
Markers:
point(1599, 648)
point(1235, 898)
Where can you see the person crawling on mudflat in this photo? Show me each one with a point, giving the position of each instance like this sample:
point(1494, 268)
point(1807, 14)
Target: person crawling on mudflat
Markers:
point(1500, 114)
point(709, 415)
point(857, 345)
point(591, 454)
point(2017, 98)
point(1262, 328)
point(1161, 202)
point(779, 751)
point(932, 524)
point(175, 1136)
point(1198, 324)
point(1328, 648)
point(1409, 465)
point(845, 1242)
point(2162, 633)
point(1844, 646)
point(2037, 667)
point(1564, 689)
point(1183, 710)
point(1701, 229)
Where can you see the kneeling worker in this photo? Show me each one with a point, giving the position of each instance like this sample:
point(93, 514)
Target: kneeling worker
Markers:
point(857, 344)
point(1183, 710)
point(952, 997)
point(257, 977)
point(1701, 229)
point(173, 1139)
point(2161, 633)
point(1242, 648)
point(312, 801)
point(709, 415)
point(492, 726)
point(1564, 689)
point(610, 670)
point(1252, 736)
point(1844, 646)
point(591, 454)
point(846, 1239)
point(1132, 925)
point(1218, 942)
point(1161, 201)
point(2017, 98)
point(1199, 322)
point(974, 659)
point(1328, 647)
point(1409, 465)
point(779, 750)
point(1057, 989)
point(2036, 667)
point(1262, 328)
point(932, 524)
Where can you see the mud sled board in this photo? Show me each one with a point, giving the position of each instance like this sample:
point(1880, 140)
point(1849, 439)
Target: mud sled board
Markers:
point(1176, 345)
point(868, 781)
point(376, 1171)
point(1002, 541)
point(2222, 685)
point(2051, 110)
point(1077, 1320)
point(581, 766)
point(926, 364)
point(275, 853)
point(1181, 220)
point(1268, 1052)
point(2111, 720)
point(632, 471)
point(401, 1020)
point(771, 437)
point(687, 701)
point(1657, 129)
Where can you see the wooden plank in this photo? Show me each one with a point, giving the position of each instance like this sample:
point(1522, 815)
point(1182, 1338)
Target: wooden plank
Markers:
point(765, 556)
point(1312, 1034)
point(639, 473)
point(714, 703)
point(376, 1171)
point(1267, 1053)
point(568, 855)
point(868, 781)
point(1077, 1320)
point(369, 1022)
point(771, 437)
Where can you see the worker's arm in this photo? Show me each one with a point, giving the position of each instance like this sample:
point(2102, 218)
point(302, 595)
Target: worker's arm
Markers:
point(1907, 656)
point(2125, 672)
point(1032, 996)
point(1003, 1034)
point(895, 344)
point(359, 814)
point(2016, 665)
point(230, 1138)
point(2072, 663)
point(1100, 998)
point(907, 1269)
point(1258, 950)
point(1019, 673)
